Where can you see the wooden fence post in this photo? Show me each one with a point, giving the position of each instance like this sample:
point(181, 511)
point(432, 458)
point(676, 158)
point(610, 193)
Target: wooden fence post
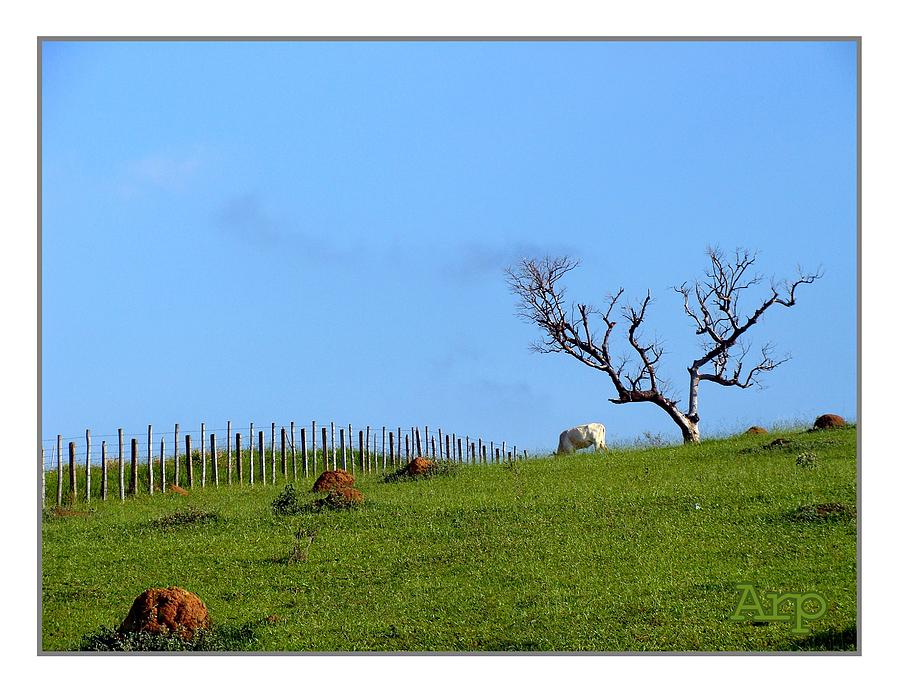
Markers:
point(162, 463)
point(503, 457)
point(447, 442)
point(272, 460)
point(515, 454)
point(293, 452)
point(526, 453)
point(73, 482)
point(313, 435)
point(383, 438)
point(133, 483)
point(459, 450)
point(250, 449)
point(399, 438)
point(324, 447)
point(392, 450)
point(350, 446)
point(59, 468)
point(407, 448)
point(303, 452)
point(215, 458)
point(262, 457)
point(440, 441)
point(202, 455)
point(426, 443)
point(150, 458)
point(343, 452)
point(333, 449)
point(228, 451)
point(433, 448)
point(419, 443)
point(121, 466)
point(368, 459)
point(283, 453)
point(177, 474)
point(240, 462)
point(188, 460)
point(362, 462)
point(87, 465)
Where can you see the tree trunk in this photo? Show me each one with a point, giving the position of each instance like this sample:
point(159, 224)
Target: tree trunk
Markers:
point(690, 432)
point(690, 428)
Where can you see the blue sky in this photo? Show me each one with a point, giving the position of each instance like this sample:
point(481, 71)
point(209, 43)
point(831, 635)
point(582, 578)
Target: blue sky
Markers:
point(294, 231)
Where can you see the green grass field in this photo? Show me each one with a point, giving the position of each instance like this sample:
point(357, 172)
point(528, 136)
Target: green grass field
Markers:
point(633, 550)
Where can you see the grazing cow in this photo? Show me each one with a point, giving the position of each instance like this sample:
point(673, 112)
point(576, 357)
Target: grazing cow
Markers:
point(582, 437)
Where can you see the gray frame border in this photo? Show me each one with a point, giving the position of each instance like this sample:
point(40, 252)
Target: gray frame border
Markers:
point(467, 39)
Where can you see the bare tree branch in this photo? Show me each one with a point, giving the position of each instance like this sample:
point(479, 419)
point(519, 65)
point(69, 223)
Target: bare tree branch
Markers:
point(712, 304)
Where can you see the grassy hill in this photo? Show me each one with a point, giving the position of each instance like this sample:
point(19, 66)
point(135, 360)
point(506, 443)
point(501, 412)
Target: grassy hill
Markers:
point(633, 550)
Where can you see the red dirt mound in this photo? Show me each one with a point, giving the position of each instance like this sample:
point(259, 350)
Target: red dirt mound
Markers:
point(419, 466)
point(167, 610)
point(330, 480)
point(755, 430)
point(177, 489)
point(829, 421)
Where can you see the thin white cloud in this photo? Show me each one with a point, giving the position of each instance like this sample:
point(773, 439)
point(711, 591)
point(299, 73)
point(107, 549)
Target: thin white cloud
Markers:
point(159, 171)
point(165, 171)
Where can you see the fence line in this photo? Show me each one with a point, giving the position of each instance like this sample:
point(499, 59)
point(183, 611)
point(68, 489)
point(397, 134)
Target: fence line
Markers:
point(91, 461)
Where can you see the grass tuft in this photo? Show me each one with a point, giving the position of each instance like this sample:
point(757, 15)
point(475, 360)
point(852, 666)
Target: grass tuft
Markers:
point(185, 518)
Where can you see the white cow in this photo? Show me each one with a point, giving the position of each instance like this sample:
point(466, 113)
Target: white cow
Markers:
point(582, 436)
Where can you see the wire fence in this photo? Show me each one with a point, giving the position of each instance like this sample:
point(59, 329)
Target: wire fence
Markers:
point(95, 466)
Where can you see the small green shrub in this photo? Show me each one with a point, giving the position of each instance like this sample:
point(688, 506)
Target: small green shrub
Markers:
point(287, 502)
point(807, 460)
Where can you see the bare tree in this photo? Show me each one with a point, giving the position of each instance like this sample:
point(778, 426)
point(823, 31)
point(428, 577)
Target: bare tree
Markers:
point(712, 304)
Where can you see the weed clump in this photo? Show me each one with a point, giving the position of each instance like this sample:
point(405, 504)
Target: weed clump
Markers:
point(111, 640)
point(303, 539)
point(287, 502)
point(824, 512)
point(185, 518)
point(807, 460)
